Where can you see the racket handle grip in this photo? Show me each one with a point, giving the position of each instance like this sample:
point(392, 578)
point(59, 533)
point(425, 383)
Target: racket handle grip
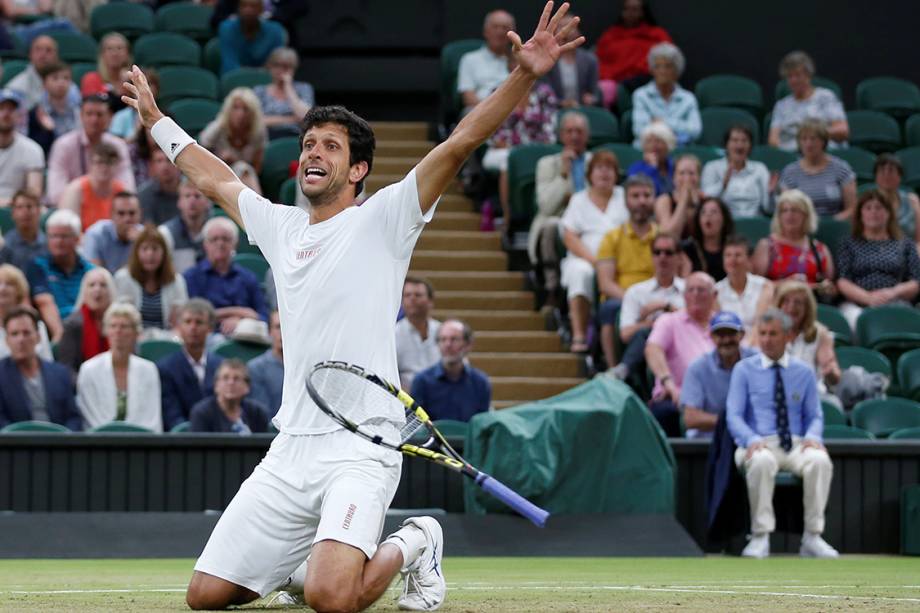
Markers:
point(514, 500)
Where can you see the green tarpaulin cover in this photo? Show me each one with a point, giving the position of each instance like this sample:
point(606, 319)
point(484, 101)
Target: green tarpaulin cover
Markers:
point(595, 448)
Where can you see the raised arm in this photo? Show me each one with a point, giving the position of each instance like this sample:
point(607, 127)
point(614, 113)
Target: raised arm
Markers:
point(204, 169)
point(535, 58)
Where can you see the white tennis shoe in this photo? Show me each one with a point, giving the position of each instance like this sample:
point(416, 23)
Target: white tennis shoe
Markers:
point(813, 546)
point(758, 547)
point(424, 588)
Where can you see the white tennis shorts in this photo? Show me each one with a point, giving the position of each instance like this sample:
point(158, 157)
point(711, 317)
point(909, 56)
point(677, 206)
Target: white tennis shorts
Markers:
point(333, 486)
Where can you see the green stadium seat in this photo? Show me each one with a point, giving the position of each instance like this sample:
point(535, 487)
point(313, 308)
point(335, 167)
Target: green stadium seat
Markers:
point(910, 160)
point(288, 192)
point(833, 416)
point(127, 18)
point(18, 50)
point(912, 131)
point(603, 124)
point(782, 88)
point(276, 164)
point(730, 91)
point(705, 153)
point(873, 130)
point(121, 426)
point(835, 431)
point(254, 263)
point(753, 228)
point(522, 169)
point(6, 220)
point(210, 55)
point(905, 433)
point(882, 416)
point(156, 349)
point(192, 20)
point(909, 374)
point(243, 77)
point(830, 316)
point(896, 97)
point(11, 68)
point(887, 328)
point(34, 426)
point(775, 159)
point(160, 49)
point(832, 231)
point(626, 154)
point(717, 120)
point(626, 127)
point(184, 426)
point(861, 161)
point(240, 350)
point(451, 103)
point(75, 46)
point(864, 187)
point(623, 101)
point(193, 114)
point(186, 82)
point(871, 360)
point(79, 69)
point(452, 427)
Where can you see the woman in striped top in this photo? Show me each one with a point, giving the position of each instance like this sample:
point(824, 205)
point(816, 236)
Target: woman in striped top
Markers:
point(150, 282)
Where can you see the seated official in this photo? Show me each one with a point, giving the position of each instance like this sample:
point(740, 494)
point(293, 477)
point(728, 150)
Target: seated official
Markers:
point(83, 336)
point(117, 385)
point(33, 389)
point(228, 410)
point(452, 389)
point(774, 415)
point(187, 376)
point(417, 332)
point(266, 372)
point(705, 388)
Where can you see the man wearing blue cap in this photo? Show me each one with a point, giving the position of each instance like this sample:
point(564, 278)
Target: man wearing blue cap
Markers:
point(22, 160)
point(705, 388)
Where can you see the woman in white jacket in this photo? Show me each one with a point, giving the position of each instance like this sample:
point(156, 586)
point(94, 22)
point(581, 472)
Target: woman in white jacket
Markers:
point(117, 385)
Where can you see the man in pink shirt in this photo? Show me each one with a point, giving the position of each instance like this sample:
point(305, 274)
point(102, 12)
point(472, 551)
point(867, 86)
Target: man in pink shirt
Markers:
point(71, 153)
point(677, 339)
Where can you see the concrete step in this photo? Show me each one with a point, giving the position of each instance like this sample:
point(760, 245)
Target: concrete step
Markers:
point(452, 202)
point(517, 364)
point(458, 240)
point(531, 388)
point(495, 301)
point(460, 260)
point(393, 165)
point(477, 281)
point(378, 180)
point(400, 130)
point(517, 342)
point(403, 149)
point(445, 220)
point(488, 320)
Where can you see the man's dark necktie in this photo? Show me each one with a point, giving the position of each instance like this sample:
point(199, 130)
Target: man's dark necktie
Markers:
point(782, 414)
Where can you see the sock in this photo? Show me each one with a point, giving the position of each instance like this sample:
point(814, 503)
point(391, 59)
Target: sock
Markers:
point(410, 541)
point(294, 583)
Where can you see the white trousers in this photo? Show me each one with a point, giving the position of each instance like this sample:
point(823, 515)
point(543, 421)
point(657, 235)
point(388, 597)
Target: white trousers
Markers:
point(815, 468)
point(577, 277)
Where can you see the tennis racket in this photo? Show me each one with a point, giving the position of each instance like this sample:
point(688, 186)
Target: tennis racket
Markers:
point(340, 387)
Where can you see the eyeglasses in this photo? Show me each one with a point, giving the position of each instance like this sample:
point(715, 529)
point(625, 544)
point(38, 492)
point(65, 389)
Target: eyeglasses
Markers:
point(667, 252)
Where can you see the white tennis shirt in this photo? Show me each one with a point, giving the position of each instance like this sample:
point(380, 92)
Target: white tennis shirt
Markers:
point(339, 285)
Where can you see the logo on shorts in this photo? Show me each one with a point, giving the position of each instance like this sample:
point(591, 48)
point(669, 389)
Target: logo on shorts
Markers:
point(349, 515)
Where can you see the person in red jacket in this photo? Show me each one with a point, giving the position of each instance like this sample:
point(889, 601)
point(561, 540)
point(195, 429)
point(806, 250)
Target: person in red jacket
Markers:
point(622, 49)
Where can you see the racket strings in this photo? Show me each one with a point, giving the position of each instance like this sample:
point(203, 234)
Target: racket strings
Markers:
point(413, 425)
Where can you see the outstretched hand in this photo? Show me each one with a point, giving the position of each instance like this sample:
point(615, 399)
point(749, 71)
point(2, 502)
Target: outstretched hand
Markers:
point(141, 98)
point(539, 54)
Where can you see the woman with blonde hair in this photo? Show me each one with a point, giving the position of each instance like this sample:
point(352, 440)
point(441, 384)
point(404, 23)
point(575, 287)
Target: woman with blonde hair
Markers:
point(675, 211)
point(117, 385)
point(112, 60)
point(14, 292)
point(83, 336)
point(238, 135)
point(149, 282)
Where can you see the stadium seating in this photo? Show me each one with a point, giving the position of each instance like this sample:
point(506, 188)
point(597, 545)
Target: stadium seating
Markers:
point(910, 160)
point(603, 125)
point(451, 104)
point(11, 68)
point(864, 187)
point(832, 231)
point(160, 49)
point(873, 130)
point(522, 169)
point(753, 228)
point(193, 114)
point(121, 426)
point(830, 316)
point(252, 262)
point(6, 219)
point(882, 416)
point(912, 131)
point(717, 120)
point(623, 101)
point(192, 20)
point(186, 82)
point(79, 69)
point(210, 55)
point(833, 416)
point(155, 349)
point(889, 328)
point(861, 161)
point(705, 153)
point(243, 77)
point(730, 91)
point(276, 164)
point(127, 18)
point(626, 154)
point(775, 159)
point(782, 88)
point(905, 433)
point(626, 127)
point(452, 427)
point(896, 97)
point(909, 374)
point(846, 432)
point(34, 426)
point(18, 50)
point(240, 350)
point(74, 46)
point(184, 426)
point(871, 360)
point(288, 192)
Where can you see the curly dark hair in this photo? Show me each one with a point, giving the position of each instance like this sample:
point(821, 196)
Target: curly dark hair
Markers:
point(361, 141)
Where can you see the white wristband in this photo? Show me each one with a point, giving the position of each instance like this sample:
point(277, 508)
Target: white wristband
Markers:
point(170, 137)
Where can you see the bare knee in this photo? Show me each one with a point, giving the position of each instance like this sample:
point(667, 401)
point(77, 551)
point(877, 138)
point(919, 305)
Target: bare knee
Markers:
point(206, 592)
point(328, 599)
